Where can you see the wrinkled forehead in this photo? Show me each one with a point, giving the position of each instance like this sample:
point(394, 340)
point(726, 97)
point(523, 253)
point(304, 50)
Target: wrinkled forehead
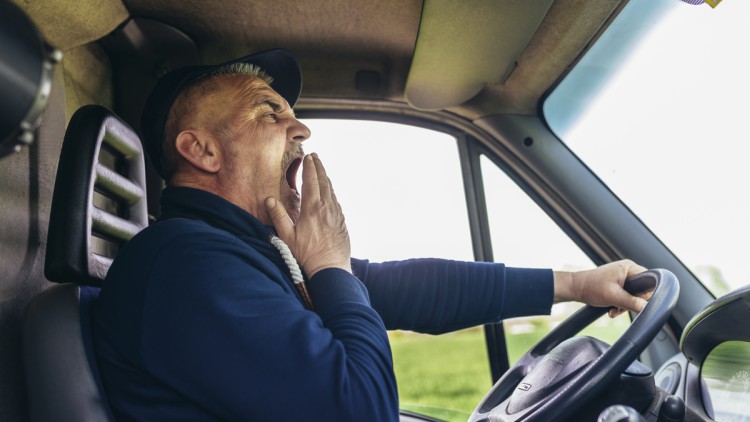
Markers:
point(250, 92)
point(220, 99)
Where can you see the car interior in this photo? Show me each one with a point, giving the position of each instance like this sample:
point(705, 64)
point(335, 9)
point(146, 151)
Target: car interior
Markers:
point(76, 185)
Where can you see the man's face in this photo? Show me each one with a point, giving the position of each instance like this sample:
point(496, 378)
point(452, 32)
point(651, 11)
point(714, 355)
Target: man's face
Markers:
point(262, 148)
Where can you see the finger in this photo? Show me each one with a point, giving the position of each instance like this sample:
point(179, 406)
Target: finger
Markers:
point(334, 198)
point(310, 184)
point(634, 271)
point(323, 181)
point(280, 218)
point(615, 312)
point(623, 299)
point(633, 268)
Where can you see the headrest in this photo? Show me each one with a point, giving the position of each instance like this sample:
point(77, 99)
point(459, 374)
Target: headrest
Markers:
point(99, 197)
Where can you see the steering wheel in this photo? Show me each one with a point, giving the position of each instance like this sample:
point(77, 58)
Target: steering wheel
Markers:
point(562, 372)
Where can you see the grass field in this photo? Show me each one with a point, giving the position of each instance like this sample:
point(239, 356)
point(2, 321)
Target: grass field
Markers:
point(446, 376)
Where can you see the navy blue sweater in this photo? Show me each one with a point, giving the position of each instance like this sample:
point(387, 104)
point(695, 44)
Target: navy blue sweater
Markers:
point(198, 320)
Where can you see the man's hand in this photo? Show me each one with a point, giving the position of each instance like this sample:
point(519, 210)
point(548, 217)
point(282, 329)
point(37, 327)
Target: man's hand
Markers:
point(601, 287)
point(319, 240)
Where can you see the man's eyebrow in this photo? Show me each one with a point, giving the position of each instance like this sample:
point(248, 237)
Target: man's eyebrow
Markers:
point(277, 106)
point(268, 98)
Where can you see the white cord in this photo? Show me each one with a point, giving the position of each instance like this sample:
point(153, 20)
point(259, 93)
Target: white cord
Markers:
point(286, 253)
point(296, 272)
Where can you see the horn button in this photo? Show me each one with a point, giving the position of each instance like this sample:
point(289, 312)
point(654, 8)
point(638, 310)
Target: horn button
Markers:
point(554, 370)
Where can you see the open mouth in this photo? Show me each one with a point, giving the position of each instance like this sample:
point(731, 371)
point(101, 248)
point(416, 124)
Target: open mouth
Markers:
point(291, 174)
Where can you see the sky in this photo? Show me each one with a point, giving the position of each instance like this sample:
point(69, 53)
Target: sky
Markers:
point(669, 135)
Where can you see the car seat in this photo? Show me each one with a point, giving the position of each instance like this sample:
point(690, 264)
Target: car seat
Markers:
point(99, 202)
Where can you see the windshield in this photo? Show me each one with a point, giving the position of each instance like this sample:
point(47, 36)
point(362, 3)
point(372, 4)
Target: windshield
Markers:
point(657, 108)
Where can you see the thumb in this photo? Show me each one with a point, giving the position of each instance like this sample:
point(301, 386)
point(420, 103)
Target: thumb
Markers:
point(625, 300)
point(280, 218)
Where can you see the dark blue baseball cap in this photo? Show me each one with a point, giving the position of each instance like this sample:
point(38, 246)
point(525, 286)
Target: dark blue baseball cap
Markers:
point(278, 63)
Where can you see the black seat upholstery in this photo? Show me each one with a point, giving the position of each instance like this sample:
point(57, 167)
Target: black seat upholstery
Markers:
point(99, 202)
point(61, 373)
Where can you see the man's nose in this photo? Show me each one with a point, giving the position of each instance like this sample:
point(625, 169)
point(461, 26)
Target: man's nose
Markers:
point(298, 131)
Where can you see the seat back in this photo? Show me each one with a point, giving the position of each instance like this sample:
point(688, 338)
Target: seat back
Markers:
point(99, 203)
point(61, 375)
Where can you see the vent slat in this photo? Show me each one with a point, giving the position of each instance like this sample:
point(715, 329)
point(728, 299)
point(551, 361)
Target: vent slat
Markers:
point(112, 226)
point(117, 185)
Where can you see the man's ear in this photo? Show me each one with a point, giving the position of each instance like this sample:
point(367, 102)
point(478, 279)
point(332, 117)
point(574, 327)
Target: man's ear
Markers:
point(200, 148)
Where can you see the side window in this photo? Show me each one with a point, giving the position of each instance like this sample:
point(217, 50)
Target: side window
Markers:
point(523, 235)
point(402, 193)
point(400, 188)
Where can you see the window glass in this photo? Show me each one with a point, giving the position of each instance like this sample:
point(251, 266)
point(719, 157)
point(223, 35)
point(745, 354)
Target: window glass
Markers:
point(662, 121)
point(523, 235)
point(400, 188)
point(402, 193)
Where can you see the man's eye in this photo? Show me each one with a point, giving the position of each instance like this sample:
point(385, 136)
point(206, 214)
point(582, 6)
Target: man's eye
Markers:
point(272, 117)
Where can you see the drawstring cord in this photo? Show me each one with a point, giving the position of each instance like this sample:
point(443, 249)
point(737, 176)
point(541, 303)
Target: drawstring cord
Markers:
point(299, 281)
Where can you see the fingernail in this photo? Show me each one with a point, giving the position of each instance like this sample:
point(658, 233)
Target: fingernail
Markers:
point(643, 302)
point(270, 203)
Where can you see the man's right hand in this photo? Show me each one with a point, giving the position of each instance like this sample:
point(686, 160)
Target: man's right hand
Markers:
point(601, 287)
point(319, 240)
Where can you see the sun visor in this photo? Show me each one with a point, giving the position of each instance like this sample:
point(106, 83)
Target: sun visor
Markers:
point(464, 46)
point(67, 24)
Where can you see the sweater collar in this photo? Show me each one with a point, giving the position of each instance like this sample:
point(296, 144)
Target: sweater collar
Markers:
point(196, 204)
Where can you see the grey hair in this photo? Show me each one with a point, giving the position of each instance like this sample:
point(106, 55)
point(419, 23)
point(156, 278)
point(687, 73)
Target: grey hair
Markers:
point(242, 69)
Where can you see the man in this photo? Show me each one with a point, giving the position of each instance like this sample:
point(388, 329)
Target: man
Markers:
point(242, 301)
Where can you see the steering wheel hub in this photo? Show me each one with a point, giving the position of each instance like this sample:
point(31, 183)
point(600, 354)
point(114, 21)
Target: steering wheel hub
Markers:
point(555, 370)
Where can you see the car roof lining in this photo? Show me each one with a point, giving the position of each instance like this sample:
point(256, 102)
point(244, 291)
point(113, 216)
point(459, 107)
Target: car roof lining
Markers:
point(68, 24)
point(378, 38)
point(463, 46)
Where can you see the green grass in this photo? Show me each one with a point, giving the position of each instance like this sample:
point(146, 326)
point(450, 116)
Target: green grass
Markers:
point(442, 376)
point(446, 376)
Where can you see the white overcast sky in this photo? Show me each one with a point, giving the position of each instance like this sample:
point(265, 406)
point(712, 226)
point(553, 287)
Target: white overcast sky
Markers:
point(681, 109)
